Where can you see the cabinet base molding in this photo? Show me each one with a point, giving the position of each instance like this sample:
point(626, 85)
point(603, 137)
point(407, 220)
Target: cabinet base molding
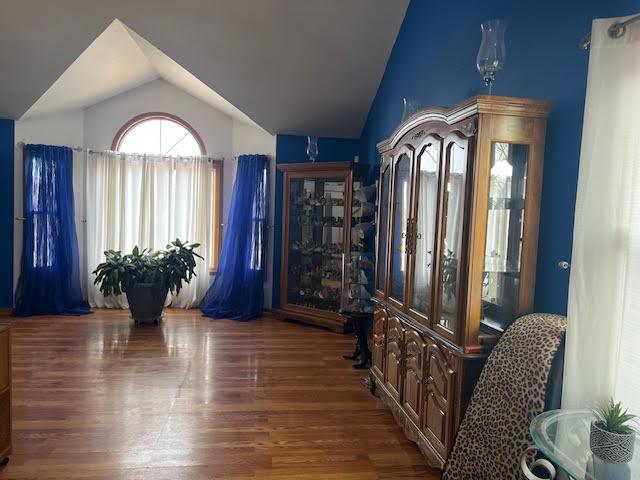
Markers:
point(338, 325)
point(410, 429)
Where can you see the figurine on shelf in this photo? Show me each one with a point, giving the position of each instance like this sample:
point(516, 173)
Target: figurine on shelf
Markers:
point(362, 209)
point(361, 262)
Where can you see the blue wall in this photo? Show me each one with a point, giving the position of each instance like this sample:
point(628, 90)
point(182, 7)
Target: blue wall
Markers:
point(293, 149)
point(433, 63)
point(6, 212)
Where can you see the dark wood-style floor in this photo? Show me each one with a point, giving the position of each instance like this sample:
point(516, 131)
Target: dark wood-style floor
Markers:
point(95, 397)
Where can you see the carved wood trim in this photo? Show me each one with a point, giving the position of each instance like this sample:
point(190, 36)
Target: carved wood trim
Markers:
point(443, 362)
point(469, 107)
point(410, 429)
point(379, 336)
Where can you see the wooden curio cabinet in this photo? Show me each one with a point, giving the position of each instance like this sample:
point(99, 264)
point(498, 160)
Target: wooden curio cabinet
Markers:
point(458, 213)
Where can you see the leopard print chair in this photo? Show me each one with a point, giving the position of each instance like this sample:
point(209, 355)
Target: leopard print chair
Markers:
point(511, 391)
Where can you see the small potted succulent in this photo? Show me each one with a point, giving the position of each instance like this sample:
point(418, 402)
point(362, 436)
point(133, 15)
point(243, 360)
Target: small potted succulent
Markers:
point(146, 276)
point(611, 437)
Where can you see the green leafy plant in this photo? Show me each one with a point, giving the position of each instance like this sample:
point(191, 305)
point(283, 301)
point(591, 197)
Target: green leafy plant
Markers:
point(170, 267)
point(612, 418)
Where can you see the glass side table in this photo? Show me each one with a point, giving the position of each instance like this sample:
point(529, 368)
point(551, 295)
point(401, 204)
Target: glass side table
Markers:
point(562, 436)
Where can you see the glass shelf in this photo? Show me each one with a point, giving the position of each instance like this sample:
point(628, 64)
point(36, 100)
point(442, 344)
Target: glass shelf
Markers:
point(316, 242)
point(505, 222)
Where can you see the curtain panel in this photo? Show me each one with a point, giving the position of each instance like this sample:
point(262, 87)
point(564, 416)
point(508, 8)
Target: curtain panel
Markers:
point(237, 290)
point(147, 200)
point(603, 324)
point(49, 282)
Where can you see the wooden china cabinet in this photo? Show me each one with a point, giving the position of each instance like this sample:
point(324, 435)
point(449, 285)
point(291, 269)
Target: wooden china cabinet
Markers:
point(456, 254)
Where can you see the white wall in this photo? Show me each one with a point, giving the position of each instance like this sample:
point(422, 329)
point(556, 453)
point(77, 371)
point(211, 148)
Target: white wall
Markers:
point(96, 126)
point(103, 120)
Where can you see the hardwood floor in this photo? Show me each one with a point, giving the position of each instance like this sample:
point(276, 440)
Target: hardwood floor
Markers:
point(97, 398)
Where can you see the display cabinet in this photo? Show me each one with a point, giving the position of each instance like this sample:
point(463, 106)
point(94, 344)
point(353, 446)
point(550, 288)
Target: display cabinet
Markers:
point(328, 264)
point(457, 239)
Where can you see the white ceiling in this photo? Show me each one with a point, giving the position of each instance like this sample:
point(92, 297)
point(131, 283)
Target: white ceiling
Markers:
point(112, 64)
point(117, 61)
point(292, 66)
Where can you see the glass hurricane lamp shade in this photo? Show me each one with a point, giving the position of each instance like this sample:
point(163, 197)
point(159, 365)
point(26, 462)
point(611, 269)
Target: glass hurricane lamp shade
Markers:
point(409, 107)
point(492, 53)
point(312, 148)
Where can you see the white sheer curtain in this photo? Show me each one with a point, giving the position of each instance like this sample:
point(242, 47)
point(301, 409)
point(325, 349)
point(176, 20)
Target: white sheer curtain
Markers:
point(147, 200)
point(603, 334)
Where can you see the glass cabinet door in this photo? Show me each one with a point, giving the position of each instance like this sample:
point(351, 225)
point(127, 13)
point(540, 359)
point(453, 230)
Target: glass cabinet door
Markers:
point(383, 222)
point(316, 242)
point(505, 221)
point(428, 176)
point(401, 207)
point(452, 226)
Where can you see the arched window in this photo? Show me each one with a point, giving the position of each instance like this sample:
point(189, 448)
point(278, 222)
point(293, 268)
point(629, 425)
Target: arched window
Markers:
point(158, 133)
point(166, 134)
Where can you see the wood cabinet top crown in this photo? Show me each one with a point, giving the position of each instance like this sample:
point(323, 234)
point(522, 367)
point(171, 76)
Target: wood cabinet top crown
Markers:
point(522, 107)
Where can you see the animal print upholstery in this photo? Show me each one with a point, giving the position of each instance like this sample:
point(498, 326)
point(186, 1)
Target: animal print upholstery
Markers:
point(509, 394)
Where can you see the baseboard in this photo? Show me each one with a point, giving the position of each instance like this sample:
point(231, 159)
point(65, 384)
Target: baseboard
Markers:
point(312, 318)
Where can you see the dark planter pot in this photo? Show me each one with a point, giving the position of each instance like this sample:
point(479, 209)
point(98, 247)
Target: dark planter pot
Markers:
point(146, 301)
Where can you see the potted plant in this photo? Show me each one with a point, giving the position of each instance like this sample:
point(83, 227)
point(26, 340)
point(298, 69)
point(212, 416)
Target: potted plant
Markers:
point(146, 276)
point(611, 438)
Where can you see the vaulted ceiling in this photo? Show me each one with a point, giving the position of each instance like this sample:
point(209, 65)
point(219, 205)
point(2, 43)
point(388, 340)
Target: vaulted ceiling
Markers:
point(117, 61)
point(291, 66)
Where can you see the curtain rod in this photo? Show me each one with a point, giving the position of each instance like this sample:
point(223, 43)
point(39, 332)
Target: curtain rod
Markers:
point(75, 149)
point(88, 150)
point(616, 30)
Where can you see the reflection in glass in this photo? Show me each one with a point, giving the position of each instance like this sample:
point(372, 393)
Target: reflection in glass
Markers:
point(316, 240)
point(504, 233)
point(428, 176)
point(401, 197)
point(456, 170)
point(382, 239)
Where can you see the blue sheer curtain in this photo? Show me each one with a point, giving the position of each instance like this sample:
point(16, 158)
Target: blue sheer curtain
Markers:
point(49, 281)
point(237, 290)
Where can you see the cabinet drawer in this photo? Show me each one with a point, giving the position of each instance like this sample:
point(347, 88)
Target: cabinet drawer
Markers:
point(413, 368)
point(379, 335)
point(5, 365)
point(439, 398)
point(393, 357)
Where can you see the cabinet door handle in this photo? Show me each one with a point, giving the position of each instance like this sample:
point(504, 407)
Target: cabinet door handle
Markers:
point(410, 236)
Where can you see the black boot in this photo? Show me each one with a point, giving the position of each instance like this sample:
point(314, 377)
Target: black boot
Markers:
point(365, 361)
point(354, 355)
point(362, 344)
